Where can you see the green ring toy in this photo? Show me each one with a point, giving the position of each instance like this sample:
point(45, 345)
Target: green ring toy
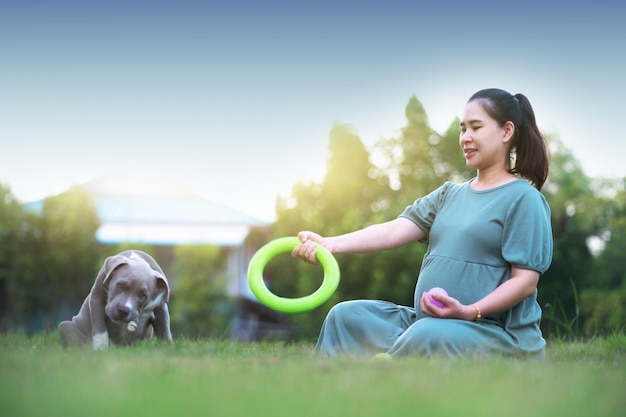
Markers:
point(291, 305)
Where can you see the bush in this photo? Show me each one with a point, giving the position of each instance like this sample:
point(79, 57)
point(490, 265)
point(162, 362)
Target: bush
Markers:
point(603, 311)
point(199, 306)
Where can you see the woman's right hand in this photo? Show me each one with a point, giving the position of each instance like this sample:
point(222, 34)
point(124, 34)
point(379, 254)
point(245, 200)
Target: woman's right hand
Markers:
point(307, 249)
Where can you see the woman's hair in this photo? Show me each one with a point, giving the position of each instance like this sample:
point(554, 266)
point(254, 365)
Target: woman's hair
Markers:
point(530, 146)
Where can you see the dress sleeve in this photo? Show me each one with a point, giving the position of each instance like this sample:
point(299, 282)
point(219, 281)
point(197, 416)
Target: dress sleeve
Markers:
point(527, 235)
point(424, 210)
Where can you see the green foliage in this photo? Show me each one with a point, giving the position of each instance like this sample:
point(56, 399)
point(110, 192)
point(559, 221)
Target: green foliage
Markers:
point(417, 173)
point(603, 300)
point(556, 319)
point(198, 306)
point(610, 266)
point(604, 311)
point(449, 164)
point(584, 209)
point(572, 207)
point(47, 259)
point(67, 227)
point(343, 202)
point(16, 270)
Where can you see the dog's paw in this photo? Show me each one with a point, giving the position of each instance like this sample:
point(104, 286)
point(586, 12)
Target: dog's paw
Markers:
point(132, 326)
point(100, 341)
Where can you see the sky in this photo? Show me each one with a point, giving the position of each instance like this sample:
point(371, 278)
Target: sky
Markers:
point(235, 100)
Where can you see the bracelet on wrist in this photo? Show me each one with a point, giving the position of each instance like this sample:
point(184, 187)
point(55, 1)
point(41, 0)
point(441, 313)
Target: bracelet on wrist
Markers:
point(478, 315)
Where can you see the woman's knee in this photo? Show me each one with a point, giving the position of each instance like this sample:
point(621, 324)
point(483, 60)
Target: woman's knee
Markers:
point(432, 337)
point(348, 311)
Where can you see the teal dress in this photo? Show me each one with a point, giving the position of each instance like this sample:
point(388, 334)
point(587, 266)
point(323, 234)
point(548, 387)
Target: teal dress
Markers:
point(474, 238)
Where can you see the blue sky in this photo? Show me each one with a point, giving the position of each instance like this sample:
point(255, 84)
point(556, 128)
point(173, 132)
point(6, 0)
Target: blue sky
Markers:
point(234, 100)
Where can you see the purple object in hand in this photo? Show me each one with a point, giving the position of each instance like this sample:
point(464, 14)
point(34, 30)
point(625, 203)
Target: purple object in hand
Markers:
point(439, 291)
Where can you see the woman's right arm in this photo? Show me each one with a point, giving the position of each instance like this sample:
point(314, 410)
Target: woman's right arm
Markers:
point(381, 236)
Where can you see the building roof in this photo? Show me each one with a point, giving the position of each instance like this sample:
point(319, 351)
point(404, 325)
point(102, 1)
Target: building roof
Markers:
point(162, 214)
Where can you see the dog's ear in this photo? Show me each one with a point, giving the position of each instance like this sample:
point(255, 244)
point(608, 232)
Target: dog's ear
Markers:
point(162, 286)
point(110, 264)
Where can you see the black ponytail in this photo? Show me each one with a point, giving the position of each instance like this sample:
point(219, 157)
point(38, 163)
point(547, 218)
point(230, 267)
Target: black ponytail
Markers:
point(531, 150)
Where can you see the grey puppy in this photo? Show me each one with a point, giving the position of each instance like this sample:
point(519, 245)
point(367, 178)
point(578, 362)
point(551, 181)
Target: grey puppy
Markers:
point(127, 302)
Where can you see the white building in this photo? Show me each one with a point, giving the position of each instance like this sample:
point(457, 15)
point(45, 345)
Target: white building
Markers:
point(164, 215)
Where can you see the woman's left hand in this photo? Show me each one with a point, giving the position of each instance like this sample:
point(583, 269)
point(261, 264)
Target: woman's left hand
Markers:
point(452, 308)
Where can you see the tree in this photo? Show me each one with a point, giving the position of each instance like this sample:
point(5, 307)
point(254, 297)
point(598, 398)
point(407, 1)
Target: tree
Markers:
point(610, 266)
point(198, 305)
point(449, 164)
point(603, 299)
point(574, 210)
point(64, 254)
point(16, 269)
point(347, 199)
point(418, 161)
point(68, 225)
point(408, 158)
point(48, 258)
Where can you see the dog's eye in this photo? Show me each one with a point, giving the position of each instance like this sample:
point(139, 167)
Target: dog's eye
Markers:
point(121, 286)
point(143, 298)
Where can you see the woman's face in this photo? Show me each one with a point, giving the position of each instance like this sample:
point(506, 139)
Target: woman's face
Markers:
point(484, 142)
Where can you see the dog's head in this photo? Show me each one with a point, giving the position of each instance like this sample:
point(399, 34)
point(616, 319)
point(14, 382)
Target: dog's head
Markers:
point(133, 288)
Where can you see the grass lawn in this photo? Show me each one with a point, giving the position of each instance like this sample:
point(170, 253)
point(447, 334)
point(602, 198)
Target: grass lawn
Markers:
point(218, 378)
